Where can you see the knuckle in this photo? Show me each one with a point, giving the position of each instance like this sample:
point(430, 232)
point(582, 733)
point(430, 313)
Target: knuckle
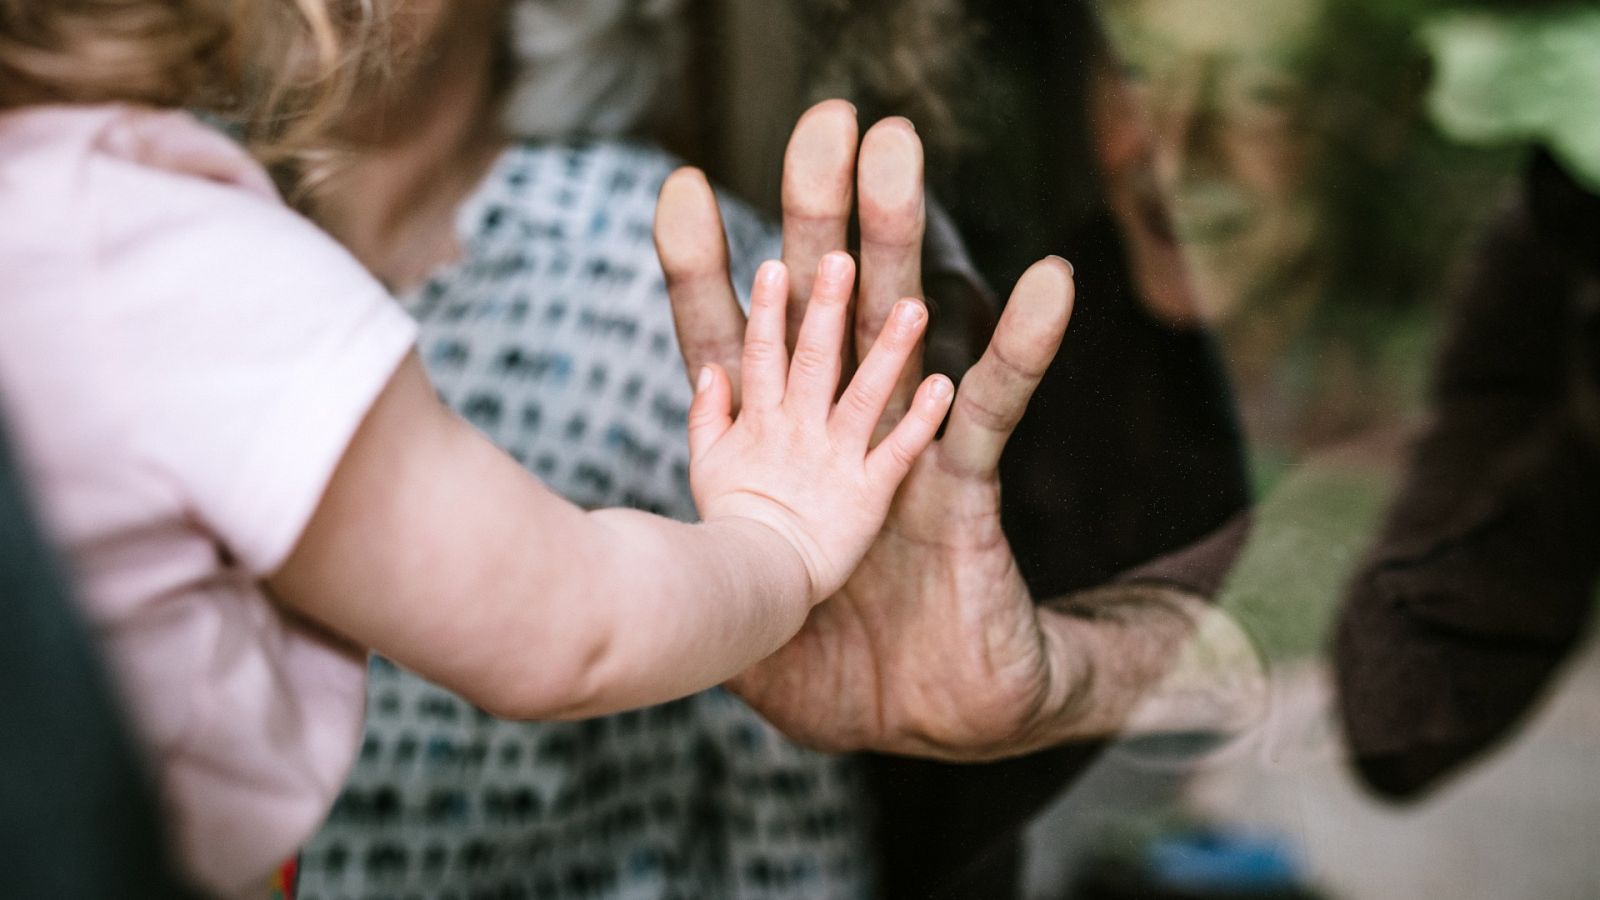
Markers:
point(985, 414)
point(762, 350)
point(693, 276)
point(861, 401)
point(711, 349)
point(892, 225)
point(900, 452)
point(811, 360)
point(1020, 366)
point(700, 417)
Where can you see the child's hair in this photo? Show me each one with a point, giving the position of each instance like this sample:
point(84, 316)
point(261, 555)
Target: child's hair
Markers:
point(277, 70)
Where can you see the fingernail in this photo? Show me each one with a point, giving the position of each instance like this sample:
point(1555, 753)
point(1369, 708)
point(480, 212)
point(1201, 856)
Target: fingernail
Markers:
point(1066, 262)
point(704, 381)
point(836, 267)
point(908, 312)
point(940, 389)
point(769, 273)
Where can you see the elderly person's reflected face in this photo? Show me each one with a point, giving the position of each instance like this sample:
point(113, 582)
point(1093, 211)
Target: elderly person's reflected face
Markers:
point(1224, 88)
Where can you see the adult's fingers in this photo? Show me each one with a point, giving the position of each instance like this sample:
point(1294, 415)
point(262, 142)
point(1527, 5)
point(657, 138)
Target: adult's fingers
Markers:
point(694, 255)
point(817, 196)
point(995, 393)
point(893, 219)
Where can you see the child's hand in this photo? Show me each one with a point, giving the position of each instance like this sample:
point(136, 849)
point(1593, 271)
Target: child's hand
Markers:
point(794, 460)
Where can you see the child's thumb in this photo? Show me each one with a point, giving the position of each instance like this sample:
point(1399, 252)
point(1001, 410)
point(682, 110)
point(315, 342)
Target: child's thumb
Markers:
point(710, 415)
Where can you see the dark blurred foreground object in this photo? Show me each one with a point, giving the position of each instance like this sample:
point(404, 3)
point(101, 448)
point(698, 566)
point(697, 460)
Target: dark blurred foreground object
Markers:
point(1483, 580)
point(77, 811)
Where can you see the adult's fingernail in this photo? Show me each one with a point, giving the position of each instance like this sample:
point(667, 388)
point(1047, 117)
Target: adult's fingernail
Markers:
point(704, 381)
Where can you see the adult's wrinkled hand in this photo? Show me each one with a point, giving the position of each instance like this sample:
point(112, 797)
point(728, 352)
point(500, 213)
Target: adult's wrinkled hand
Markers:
point(934, 646)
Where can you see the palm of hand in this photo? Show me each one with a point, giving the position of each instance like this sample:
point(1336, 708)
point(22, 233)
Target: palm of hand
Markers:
point(795, 460)
point(932, 646)
point(780, 490)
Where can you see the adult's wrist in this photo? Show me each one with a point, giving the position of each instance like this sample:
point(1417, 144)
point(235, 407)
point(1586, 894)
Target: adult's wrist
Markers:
point(1147, 659)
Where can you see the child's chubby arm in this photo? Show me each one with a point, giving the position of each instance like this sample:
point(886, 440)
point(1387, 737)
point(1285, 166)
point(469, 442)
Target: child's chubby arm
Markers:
point(437, 550)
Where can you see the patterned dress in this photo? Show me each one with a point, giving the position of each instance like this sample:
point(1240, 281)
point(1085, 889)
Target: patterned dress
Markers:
point(554, 336)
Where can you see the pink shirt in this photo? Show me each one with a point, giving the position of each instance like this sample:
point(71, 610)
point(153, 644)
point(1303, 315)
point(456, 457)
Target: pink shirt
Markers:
point(183, 361)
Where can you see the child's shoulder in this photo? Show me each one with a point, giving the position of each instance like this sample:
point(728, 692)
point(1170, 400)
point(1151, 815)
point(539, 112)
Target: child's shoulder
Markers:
point(137, 187)
point(107, 171)
point(126, 140)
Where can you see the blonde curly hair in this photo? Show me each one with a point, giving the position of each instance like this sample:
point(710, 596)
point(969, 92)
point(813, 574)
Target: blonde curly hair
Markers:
point(278, 70)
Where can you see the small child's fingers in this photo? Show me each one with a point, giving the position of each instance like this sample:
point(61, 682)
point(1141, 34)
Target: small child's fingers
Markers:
point(856, 418)
point(892, 459)
point(814, 371)
point(766, 356)
point(711, 413)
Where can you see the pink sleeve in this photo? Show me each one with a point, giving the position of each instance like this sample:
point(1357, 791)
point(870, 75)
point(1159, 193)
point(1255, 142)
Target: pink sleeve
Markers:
point(249, 343)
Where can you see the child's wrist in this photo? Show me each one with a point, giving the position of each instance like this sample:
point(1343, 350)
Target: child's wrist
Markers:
point(774, 556)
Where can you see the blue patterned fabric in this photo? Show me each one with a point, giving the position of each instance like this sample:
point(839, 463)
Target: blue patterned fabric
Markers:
point(554, 336)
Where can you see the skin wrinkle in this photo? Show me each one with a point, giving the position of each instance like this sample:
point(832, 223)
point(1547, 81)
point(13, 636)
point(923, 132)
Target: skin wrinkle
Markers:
point(980, 672)
point(988, 417)
point(1031, 659)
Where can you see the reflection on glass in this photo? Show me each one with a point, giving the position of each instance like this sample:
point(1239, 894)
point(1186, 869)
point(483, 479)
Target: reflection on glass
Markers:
point(1310, 206)
point(1406, 305)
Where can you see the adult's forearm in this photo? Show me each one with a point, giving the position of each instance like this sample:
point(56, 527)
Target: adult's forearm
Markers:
point(1145, 658)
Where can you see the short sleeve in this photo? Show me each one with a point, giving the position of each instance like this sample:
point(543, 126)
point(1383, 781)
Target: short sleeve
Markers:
point(247, 344)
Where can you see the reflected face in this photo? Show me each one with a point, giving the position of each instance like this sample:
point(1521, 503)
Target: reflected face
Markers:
point(1223, 89)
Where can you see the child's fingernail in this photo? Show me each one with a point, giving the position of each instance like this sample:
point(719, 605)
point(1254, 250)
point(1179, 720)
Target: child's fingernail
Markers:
point(704, 381)
point(771, 271)
point(940, 389)
point(835, 267)
point(908, 312)
point(1071, 270)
